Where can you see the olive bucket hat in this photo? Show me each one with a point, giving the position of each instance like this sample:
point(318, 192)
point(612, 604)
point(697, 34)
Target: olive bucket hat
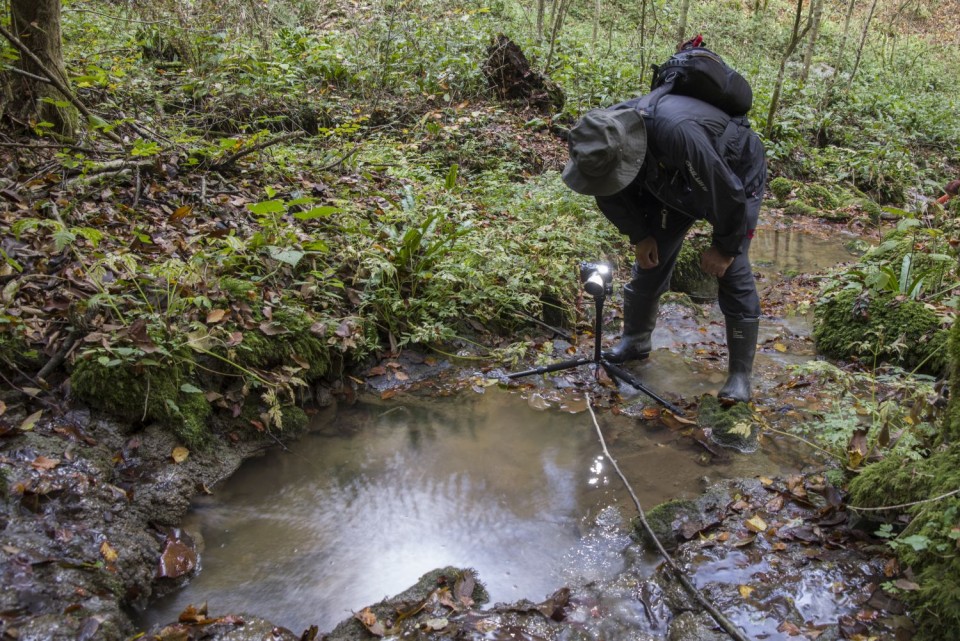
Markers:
point(607, 148)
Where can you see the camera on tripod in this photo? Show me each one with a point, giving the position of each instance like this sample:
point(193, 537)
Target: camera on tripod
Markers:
point(597, 279)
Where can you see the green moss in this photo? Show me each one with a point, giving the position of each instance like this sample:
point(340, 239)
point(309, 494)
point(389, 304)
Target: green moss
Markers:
point(928, 545)
point(820, 197)
point(134, 392)
point(662, 519)
point(688, 278)
point(238, 288)
point(951, 420)
point(295, 339)
point(728, 424)
point(797, 208)
point(850, 324)
point(294, 420)
point(782, 188)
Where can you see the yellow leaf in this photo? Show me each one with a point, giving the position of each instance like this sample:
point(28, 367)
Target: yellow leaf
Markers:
point(108, 553)
point(766, 481)
point(756, 524)
point(745, 591)
point(780, 347)
point(30, 421)
point(741, 429)
point(180, 454)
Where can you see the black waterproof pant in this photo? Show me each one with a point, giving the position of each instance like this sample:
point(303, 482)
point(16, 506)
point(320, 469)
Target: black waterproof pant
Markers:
point(737, 287)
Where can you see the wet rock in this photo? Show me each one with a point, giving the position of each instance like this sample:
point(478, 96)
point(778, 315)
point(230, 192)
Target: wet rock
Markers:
point(688, 625)
point(735, 427)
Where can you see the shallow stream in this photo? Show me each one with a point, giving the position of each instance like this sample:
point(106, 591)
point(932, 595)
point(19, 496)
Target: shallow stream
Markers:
point(503, 481)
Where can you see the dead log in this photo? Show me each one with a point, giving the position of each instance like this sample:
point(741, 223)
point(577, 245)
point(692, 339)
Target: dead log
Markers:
point(509, 75)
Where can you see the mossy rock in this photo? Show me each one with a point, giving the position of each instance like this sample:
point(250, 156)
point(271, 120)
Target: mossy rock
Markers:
point(134, 393)
point(294, 339)
point(665, 520)
point(820, 197)
point(688, 278)
point(928, 544)
point(864, 325)
point(782, 188)
point(797, 208)
point(735, 427)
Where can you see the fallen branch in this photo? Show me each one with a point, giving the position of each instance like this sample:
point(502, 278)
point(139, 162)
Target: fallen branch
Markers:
point(341, 159)
point(234, 157)
point(718, 616)
point(55, 81)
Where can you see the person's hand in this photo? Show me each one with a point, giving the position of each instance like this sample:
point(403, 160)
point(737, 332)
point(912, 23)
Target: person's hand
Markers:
point(715, 263)
point(646, 253)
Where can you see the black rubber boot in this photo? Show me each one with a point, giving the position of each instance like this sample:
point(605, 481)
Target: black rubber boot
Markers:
point(741, 348)
point(639, 319)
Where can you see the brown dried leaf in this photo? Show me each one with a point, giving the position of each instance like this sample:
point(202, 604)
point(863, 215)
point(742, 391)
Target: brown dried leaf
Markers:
point(44, 463)
point(216, 315)
point(370, 622)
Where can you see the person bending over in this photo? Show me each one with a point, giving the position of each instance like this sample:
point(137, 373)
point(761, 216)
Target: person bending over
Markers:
point(656, 164)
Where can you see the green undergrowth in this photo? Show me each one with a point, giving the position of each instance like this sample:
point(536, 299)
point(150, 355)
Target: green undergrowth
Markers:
point(928, 545)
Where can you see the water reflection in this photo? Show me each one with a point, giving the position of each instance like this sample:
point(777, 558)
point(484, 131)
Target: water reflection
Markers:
point(796, 251)
point(384, 493)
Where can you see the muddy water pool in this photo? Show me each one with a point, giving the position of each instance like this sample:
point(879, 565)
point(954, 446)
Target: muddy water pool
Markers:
point(383, 492)
point(507, 482)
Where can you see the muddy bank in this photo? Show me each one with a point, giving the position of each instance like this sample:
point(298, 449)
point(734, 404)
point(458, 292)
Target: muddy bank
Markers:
point(89, 519)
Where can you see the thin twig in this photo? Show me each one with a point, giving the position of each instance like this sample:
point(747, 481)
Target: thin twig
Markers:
point(232, 158)
point(32, 76)
point(133, 20)
point(55, 81)
point(903, 505)
point(718, 616)
point(341, 159)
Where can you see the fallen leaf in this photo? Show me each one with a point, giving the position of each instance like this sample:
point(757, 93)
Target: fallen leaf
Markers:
point(675, 422)
point(44, 463)
point(650, 413)
point(193, 614)
point(756, 524)
point(904, 584)
point(180, 454)
point(780, 347)
point(370, 622)
point(745, 591)
point(740, 429)
point(108, 553)
point(29, 422)
point(216, 315)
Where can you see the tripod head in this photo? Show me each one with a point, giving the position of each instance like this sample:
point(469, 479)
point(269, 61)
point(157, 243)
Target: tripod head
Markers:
point(597, 279)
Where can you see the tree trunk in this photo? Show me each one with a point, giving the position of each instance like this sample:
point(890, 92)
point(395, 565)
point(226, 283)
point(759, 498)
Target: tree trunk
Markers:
point(817, 9)
point(795, 39)
point(541, 9)
point(863, 41)
point(36, 23)
point(682, 27)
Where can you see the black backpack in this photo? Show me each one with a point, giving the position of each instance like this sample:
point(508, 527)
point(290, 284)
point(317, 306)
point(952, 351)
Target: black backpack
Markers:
point(697, 72)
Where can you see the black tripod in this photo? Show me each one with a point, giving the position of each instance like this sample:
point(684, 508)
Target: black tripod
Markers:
point(598, 289)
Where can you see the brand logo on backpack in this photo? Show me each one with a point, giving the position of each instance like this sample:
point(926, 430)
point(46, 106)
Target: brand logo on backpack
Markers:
point(699, 73)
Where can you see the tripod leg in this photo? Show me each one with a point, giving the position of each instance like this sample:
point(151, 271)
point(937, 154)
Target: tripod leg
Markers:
point(616, 373)
point(552, 368)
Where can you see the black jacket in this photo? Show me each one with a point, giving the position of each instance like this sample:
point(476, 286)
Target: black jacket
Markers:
point(700, 163)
